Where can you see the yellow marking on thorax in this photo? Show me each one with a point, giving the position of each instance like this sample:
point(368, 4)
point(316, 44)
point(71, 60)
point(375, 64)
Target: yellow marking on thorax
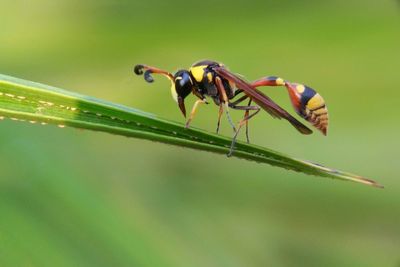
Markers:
point(315, 101)
point(198, 72)
point(209, 77)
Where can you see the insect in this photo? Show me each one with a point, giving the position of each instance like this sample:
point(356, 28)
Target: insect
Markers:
point(227, 90)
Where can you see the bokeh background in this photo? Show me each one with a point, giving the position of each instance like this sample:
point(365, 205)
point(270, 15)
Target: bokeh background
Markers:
point(80, 198)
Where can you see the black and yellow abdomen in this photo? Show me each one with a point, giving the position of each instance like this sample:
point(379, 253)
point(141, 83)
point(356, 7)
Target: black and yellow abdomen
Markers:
point(313, 108)
point(310, 105)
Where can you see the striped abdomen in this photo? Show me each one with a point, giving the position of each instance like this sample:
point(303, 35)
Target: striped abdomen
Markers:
point(310, 105)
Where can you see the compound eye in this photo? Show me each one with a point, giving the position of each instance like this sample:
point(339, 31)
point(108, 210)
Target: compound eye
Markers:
point(180, 85)
point(183, 85)
point(183, 81)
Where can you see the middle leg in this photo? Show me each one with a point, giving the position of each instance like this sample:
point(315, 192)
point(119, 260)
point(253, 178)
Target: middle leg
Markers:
point(221, 109)
point(224, 101)
point(242, 122)
point(234, 104)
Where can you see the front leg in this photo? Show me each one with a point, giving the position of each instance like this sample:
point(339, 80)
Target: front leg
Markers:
point(194, 110)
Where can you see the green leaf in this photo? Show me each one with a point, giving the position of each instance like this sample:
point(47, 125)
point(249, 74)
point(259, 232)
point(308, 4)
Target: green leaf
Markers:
point(22, 100)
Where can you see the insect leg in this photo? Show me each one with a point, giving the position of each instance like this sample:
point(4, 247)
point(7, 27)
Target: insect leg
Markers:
point(224, 100)
point(238, 91)
point(242, 122)
point(247, 122)
point(235, 103)
point(221, 110)
point(238, 101)
point(194, 110)
point(230, 119)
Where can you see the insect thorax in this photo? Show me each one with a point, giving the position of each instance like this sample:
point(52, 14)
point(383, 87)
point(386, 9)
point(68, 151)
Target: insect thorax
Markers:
point(204, 78)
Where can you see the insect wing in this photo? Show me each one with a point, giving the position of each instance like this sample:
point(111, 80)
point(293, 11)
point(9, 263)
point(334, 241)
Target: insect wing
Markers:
point(262, 100)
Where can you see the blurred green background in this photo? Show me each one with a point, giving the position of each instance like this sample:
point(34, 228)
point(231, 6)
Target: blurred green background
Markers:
point(79, 198)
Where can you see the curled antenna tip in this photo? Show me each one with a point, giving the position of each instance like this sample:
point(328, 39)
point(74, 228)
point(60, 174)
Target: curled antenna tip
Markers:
point(148, 77)
point(138, 69)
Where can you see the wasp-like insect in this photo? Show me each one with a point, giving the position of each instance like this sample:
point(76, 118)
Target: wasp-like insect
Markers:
point(212, 79)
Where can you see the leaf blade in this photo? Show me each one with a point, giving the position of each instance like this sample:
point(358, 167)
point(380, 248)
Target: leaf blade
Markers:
point(37, 103)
